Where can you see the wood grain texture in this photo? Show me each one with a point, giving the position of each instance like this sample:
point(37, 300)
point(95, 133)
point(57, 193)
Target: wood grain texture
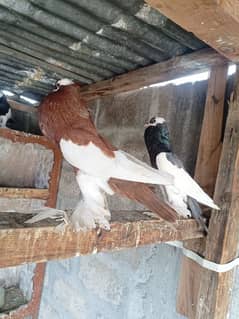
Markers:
point(222, 241)
point(205, 173)
point(159, 72)
point(22, 107)
point(24, 193)
point(214, 22)
point(211, 133)
point(21, 243)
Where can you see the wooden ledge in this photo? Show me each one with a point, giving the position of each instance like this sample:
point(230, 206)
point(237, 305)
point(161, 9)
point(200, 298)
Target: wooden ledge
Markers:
point(11, 192)
point(24, 243)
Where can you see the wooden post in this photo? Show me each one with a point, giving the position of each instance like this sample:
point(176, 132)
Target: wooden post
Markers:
point(205, 173)
point(222, 241)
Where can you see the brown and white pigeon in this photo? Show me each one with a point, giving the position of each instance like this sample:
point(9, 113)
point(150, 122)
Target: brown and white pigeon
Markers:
point(185, 193)
point(100, 168)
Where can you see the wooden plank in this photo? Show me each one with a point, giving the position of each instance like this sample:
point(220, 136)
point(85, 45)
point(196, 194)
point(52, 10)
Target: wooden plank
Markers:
point(222, 241)
point(205, 173)
point(21, 243)
point(164, 71)
point(214, 22)
point(22, 107)
point(24, 193)
point(22, 137)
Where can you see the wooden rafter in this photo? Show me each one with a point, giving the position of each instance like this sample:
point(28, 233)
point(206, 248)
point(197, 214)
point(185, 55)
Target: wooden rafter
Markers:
point(41, 242)
point(205, 173)
point(159, 72)
point(214, 22)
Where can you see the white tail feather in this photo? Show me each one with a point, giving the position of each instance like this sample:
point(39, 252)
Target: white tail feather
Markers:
point(44, 213)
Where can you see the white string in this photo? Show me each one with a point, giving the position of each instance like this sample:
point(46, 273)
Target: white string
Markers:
point(204, 262)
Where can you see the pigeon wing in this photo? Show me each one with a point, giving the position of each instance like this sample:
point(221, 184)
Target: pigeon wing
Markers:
point(182, 180)
point(89, 153)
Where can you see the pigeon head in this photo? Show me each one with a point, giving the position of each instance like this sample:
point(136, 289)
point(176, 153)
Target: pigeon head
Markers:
point(5, 111)
point(63, 82)
point(157, 128)
point(156, 137)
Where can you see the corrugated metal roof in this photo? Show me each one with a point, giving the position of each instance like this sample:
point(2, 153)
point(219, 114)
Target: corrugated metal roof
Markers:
point(87, 40)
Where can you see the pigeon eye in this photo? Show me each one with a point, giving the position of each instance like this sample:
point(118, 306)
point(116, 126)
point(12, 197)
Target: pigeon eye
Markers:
point(152, 121)
point(57, 86)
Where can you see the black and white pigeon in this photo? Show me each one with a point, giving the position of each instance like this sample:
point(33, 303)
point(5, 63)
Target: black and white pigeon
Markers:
point(5, 111)
point(185, 194)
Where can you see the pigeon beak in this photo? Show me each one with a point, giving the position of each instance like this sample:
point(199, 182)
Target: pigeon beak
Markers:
point(147, 124)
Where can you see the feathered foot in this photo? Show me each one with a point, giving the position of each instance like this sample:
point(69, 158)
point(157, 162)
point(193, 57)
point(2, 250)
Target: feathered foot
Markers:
point(89, 216)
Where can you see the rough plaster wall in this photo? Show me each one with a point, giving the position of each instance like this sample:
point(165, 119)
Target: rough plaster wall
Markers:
point(20, 276)
point(234, 307)
point(134, 284)
point(32, 168)
point(137, 283)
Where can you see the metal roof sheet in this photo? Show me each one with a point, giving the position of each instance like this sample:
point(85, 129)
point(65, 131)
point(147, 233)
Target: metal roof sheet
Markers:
point(86, 40)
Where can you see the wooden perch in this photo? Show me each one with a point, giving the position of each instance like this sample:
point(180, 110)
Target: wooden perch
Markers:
point(24, 193)
point(21, 243)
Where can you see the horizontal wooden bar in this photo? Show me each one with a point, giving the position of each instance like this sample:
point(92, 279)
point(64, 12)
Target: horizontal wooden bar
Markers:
point(21, 243)
point(22, 137)
point(11, 192)
point(159, 72)
point(22, 107)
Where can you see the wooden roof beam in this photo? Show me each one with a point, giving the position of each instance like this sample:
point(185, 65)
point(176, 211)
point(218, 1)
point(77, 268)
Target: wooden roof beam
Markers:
point(214, 22)
point(164, 71)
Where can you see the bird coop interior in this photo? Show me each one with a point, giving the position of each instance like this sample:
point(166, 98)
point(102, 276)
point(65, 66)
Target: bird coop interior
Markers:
point(133, 60)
